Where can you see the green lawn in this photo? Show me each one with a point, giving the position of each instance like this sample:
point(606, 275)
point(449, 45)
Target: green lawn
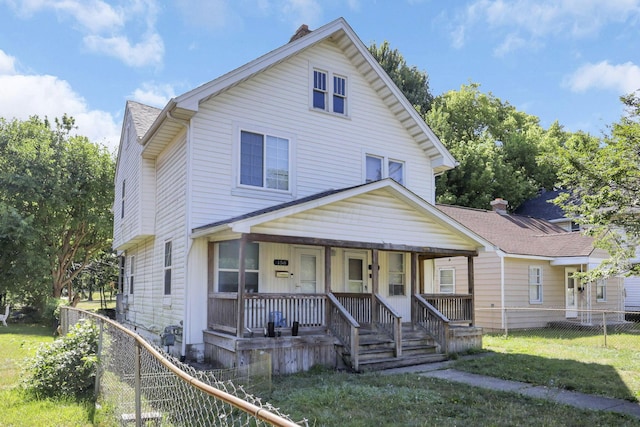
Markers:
point(17, 408)
point(574, 362)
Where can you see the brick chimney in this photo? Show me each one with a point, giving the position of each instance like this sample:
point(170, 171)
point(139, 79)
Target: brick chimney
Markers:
point(302, 31)
point(499, 205)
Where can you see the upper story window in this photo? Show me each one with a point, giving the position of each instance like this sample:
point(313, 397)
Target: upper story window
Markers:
point(378, 167)
point(264, 161)
point(329, 92)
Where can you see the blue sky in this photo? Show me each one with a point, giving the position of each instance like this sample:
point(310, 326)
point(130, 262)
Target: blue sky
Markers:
point(565, 60)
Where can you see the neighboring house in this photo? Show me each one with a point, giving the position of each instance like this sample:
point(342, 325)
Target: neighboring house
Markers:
point(531, 269)
point(542, 207)
point(292, 197)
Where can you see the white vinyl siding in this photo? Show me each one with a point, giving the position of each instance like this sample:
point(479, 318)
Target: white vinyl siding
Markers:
point(535, 285)
point(373, 129)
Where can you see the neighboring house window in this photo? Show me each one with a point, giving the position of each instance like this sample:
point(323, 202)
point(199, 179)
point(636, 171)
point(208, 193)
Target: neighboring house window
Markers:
point(397, 277)
point(168, 262)
point(378, 167)
point(229, 266)
point(601, 290)
point(121, 274)
point(123, 197)
point(535, 285)
point(264, 161)
point(575, 226)
point(132, 263)
point(447, 278)
point(325, 83)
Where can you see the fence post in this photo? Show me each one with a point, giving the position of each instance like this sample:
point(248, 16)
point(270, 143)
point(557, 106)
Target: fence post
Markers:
point(99, 356)
point(604, 327)
point(138, 387)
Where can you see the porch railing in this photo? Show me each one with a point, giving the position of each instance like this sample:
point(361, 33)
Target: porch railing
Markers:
point(359, 305)
point(428, 317)
point(391, 322)
point(306, 309)
point(345, 328)
point(456, 308)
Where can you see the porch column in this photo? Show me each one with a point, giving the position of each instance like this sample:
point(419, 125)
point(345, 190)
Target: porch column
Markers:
point(470, 286)
point(374, 285)
point(241, 283)
point(327, 284)
point(414, 283)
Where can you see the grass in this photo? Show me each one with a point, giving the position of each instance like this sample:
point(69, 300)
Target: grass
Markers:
point(328, 398)
point(96, 303)
point(574, 362)
point(17, 408)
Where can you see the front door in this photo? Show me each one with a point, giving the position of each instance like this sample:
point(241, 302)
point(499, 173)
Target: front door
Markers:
point(571, 293)
point(356, 272)
point(308, 271)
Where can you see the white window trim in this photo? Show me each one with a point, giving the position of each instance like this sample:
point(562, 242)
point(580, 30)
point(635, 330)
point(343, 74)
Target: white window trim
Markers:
point(541, 284)
point(329, 104)
point(385, 165)
point(166, 267)
point(233, 270)
point(440, 280)
point(244, 190)
point(132, 271)
point(604, 290)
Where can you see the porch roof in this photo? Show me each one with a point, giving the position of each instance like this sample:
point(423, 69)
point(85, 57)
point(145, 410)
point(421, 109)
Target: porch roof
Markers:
point(384, 205)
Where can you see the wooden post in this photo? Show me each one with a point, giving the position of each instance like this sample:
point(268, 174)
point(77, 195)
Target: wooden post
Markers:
point(241, 284)
point(327, 285)
point(414, 284)
point(470, 286)
point(374, 286)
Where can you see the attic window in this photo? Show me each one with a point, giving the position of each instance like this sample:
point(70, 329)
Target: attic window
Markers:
point(325, 83)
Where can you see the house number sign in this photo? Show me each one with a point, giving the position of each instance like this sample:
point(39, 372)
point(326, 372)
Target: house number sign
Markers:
point(281, 262)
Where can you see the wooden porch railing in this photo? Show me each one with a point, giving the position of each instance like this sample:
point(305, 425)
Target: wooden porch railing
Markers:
point(456, 308)
point(428, 317)
point(391, 322)
point(345, 328)
point(359, 305)
point(307, 309)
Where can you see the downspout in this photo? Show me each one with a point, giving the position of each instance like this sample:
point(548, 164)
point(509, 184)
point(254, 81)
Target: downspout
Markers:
point(503, 313)
point(186, 325)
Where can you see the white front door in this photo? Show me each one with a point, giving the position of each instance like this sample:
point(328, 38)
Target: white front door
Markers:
point(355, 265)
point(307, 278)
point(571, 293)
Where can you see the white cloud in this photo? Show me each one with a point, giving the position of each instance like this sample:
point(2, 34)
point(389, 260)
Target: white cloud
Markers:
point(529, 20)
point(156, 95)
point(511, 42)
point(105, 27)
point(211, 14)
point(300, 12)
point(622, 78)
point(7, 63)
point(43, 95)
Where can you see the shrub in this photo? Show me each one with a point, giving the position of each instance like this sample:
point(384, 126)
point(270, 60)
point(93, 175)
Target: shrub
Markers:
point(67, 367)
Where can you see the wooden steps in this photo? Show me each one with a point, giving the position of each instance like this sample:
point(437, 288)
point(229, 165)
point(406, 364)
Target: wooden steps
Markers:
point(376, 351)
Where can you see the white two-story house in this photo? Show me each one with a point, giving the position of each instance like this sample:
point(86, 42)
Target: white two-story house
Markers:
point(287, 207)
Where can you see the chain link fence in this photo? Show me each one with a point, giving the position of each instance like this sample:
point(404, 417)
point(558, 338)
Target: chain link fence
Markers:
point(142, 385)
point(599, 328)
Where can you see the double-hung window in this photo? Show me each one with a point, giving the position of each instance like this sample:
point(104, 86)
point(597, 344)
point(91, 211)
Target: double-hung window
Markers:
point(132, 269)
point(264, 161)
point(535, 285)
point(378, 167)
point(229, 266)
point(447, 279)
point(329, 92)
point(601, 290)
point(167, 267)
point(397, 276)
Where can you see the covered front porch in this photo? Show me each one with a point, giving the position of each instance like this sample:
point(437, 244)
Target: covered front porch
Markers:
point(337, 278)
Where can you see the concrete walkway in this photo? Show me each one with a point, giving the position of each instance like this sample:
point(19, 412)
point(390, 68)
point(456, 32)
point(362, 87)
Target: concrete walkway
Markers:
point(444, 371)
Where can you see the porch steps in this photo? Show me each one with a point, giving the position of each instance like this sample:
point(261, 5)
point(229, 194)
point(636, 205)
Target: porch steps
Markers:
point(376, 351)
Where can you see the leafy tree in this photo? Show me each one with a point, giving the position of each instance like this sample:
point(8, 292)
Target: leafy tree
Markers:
point(603, 179)
point(501, 152)
point(56, 192)
point(413, 83)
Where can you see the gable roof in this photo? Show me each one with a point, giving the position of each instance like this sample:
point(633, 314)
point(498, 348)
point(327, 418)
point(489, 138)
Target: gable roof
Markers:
point(542, 207)
point(142, 116)
point(243, 223)
point(521, 235)
point(171, 119)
